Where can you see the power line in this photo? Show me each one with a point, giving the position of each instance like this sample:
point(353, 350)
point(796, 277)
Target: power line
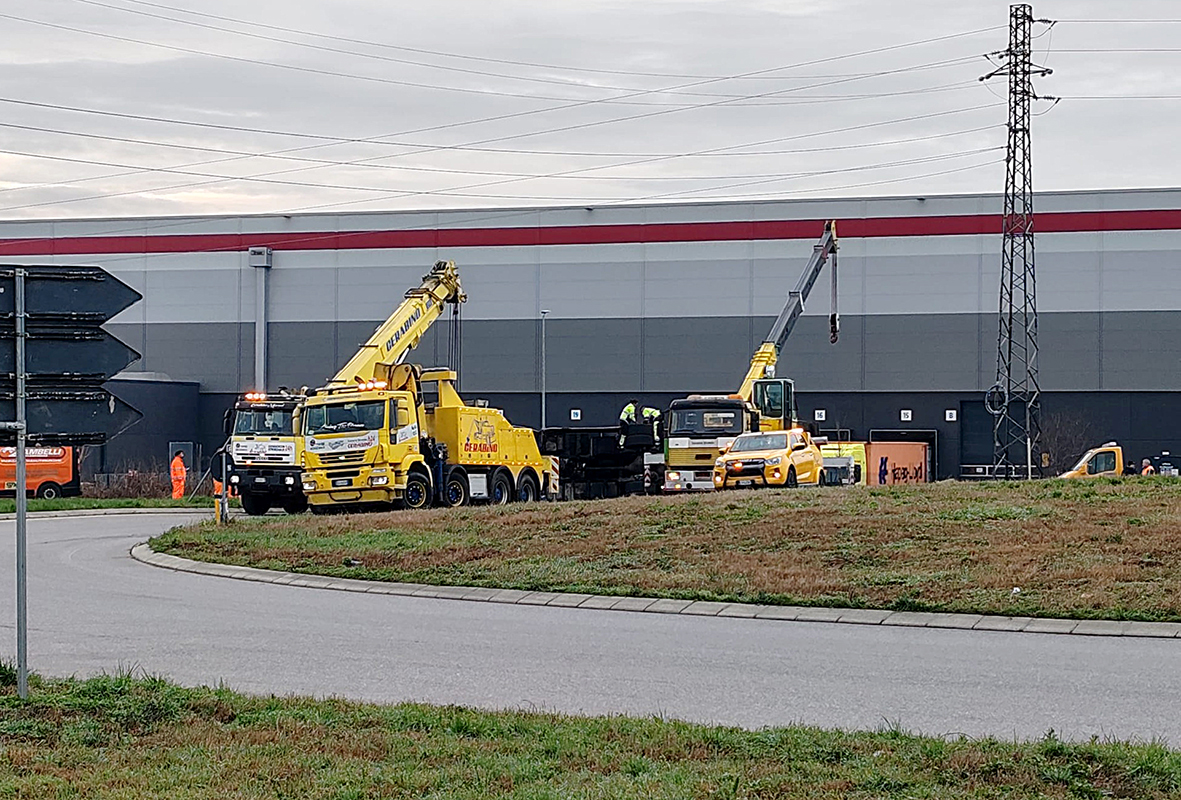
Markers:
point(650, 160)
point(624, 100)
point(397, 167)
point(466, 57)
point(388, 59)
point(451, 190)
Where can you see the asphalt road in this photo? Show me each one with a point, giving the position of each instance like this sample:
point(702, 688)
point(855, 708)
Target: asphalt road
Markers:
point(94, 609)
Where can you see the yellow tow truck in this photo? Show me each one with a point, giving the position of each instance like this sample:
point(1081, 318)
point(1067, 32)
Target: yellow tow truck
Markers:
point(699, 428)
point(384, 433)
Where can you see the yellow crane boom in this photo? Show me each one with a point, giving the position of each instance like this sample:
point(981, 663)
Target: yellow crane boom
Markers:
point(399, 334)
point(762, 364)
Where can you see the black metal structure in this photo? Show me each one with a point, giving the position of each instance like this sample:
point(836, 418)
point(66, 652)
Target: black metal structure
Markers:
point(68, 354)
point(1014, 398)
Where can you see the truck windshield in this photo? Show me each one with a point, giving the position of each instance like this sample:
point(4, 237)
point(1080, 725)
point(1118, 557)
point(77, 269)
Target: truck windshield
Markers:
point(705, 422)
point(764, 441)
point(344, 417)
point(263, 422)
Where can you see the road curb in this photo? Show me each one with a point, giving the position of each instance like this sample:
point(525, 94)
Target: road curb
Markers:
point(652, 605)
point(108, 512)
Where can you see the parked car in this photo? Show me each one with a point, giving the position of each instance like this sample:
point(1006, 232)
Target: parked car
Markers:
point(775, 458)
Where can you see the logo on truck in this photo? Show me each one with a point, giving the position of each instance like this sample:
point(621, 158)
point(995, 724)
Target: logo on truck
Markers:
point(405, 327)
point(481, 438)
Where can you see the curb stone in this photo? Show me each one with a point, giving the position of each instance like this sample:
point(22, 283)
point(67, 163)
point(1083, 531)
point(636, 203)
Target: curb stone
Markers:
point(652, 605)
point(112, 512)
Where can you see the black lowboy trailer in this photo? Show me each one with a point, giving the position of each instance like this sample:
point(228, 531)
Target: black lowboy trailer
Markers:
point(613, 461)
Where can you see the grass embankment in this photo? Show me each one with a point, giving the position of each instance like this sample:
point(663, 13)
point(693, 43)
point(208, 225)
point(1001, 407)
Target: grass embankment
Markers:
point(118, 737)
point(8, 504)
point(1083, 549)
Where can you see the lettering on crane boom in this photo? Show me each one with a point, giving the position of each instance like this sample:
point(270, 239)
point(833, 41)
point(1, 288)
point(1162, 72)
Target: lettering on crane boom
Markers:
point(405, 327)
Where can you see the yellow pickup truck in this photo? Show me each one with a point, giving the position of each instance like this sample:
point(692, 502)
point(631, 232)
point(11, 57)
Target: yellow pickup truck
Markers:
point(788, 458)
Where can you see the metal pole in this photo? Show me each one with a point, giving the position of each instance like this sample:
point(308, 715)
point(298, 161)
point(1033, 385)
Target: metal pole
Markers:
point(544, 312)
point(22, 499)
point(224, 500)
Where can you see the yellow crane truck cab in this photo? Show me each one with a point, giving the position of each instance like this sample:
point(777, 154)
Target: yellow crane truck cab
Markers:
point(788, 458)
point(1106, 460)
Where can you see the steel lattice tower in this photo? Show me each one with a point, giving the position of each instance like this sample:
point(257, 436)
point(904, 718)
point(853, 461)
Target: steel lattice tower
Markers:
point(1014, 398)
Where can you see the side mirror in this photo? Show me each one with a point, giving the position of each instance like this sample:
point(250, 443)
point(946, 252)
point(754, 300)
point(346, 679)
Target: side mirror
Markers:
point(403, 416)
point(798, 446)
point(227, 422)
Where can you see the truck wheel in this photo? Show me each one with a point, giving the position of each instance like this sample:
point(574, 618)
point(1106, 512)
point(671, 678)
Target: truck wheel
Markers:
point(49, 491)
point(792, 481)
point(255, 505)
point(502, 489)
point(418, 491)
point(296, 505)
point(455, 491)
point(527, 489)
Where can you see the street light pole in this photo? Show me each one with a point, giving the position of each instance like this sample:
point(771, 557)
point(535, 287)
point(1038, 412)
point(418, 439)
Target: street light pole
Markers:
point(544, 313)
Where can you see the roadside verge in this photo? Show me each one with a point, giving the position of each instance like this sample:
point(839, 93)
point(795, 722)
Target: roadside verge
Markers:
point(650, 605)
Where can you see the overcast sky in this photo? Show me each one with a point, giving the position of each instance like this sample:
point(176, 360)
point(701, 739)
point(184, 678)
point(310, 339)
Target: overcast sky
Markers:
point(537, 102)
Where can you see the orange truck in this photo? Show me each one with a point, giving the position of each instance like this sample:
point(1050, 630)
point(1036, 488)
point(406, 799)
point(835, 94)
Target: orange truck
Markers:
point(50, 472)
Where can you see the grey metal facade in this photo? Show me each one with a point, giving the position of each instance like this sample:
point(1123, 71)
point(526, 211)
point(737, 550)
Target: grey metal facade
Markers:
point(665, 313)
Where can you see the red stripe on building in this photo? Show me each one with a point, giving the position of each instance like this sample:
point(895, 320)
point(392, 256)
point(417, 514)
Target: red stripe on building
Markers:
point(874, 227)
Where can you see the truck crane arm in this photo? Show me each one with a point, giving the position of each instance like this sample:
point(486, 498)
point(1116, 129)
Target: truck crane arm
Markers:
point(399, 334)
point(762, 364)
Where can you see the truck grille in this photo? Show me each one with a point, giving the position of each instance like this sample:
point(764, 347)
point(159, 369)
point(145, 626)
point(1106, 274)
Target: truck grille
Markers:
point(753, 467)
point(700, 457)
point(343, 458)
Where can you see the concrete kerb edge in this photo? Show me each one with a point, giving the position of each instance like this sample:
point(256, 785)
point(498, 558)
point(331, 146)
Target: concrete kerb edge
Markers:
point(653, 605)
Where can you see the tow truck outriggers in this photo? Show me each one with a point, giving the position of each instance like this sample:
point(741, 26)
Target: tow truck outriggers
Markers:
point(700, 427)
point(372, 436)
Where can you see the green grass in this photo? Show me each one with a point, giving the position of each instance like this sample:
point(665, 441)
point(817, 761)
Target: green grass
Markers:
point(124, 737)
point(1084, 549)
point(8, 504)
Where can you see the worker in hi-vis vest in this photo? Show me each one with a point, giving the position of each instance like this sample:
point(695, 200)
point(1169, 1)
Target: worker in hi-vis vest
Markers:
point(178, 473)
point(627, 417)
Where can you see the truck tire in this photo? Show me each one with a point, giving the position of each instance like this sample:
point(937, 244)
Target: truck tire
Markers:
point(49, 491)
point(455, 490)
point(527, 489)
point(418, 491)
point(502, 489)
point(792, 481)
point(255, 505)
point(295, 505)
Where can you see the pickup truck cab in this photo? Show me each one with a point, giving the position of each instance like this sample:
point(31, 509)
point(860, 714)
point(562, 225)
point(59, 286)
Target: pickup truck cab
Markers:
point(1107, 460)
point(773, 458)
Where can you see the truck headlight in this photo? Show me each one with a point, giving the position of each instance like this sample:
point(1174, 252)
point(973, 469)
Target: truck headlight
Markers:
point(289, 480)
point(309, 486)
point(234, 479)
point(378, 480)
point(673, 476)
point(774, 462)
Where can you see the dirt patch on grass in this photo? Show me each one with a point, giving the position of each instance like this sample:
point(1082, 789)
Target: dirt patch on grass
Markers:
point(1093, 549)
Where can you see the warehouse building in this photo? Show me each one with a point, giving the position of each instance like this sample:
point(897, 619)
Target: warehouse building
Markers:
point(658, 301)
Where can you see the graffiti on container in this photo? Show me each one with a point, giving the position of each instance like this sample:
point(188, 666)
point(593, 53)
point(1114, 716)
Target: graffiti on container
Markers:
point(889, 472)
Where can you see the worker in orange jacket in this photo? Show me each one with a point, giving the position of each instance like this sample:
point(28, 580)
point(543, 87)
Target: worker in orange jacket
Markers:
point(179, 473)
